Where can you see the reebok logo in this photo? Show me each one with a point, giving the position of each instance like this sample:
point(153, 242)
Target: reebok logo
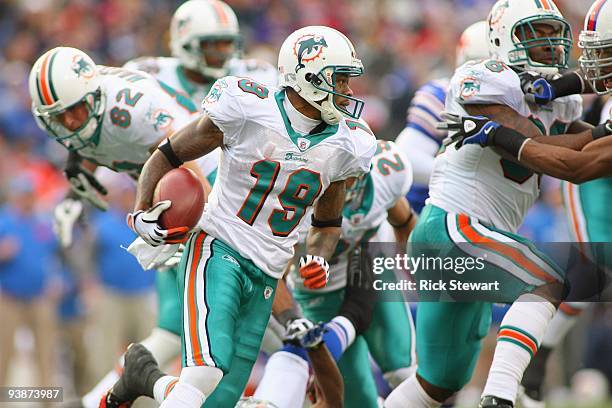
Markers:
point(230, 258)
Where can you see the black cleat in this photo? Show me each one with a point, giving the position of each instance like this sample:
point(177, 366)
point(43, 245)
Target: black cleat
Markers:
point(489, 401)
point(534, 375)
point(140, 371)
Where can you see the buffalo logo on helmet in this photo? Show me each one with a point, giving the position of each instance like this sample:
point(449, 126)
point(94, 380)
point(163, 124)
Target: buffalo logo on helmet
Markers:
point(81, 67)
point(308, 48)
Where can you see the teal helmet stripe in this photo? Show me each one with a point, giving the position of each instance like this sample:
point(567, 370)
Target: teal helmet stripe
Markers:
point(50, 78)
point(40, 97)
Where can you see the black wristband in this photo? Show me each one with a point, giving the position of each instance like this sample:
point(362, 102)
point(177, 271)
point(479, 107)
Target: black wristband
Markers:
point(325, 224)
point(605, 129)
point(509, 139)
point(568, 84)
point(166, 149)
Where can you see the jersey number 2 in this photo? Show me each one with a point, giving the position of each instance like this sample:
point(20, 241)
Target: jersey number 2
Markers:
point(302, 188)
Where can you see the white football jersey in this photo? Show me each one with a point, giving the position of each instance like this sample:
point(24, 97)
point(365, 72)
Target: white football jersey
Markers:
point(388, 181)
point(138, 114)
point(269, 174)
point(168, 70)
point(477, 181)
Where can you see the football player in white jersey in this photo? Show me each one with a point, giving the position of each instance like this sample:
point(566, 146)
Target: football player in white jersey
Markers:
point(588, 217)
point(283, 150)
point(420, 140)
point(205, 45)
point(382, 329)
point(112, 117)
point(478, 200)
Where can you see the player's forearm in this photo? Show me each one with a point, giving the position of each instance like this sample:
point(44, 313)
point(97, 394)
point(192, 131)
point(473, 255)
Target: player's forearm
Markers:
point(563, 163)
point(571, 83)
point(402, 219)
point(328, 378)
point(574, 141)
point(322, 241)
point(325, 231)
point(153, 170)
point(284, 308)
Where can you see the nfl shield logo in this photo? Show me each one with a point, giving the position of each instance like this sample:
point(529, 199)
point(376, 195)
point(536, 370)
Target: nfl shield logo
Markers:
point(303, 143)
point(268, 292)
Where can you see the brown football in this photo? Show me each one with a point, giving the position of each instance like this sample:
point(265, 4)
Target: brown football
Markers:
point(183, 188)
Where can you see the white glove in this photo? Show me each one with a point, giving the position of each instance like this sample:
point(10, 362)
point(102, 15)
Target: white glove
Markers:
point(145, 224)
point(82, 187)
point(296, 329)
point(148, 257)
point(64, 216)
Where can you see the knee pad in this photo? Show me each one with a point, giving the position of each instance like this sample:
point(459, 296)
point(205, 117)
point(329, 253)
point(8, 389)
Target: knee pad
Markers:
point(204, 378)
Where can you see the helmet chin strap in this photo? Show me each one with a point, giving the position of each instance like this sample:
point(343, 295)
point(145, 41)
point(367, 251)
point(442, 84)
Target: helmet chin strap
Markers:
point(329, 113)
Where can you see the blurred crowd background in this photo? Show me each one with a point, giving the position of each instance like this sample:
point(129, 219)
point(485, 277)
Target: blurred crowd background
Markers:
point(90, 302)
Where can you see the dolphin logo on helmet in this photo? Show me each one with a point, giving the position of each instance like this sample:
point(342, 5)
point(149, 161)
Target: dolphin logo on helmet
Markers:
point(81, 67)
point(310, 47)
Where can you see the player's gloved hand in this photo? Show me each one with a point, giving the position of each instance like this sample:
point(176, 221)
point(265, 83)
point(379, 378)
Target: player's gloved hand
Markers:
point(86, 186)
point(313, 336)
point(295, 329)
point(469, 129)
point(146, 225)
point(537, 88)
point(314, 270)
point(65, 215)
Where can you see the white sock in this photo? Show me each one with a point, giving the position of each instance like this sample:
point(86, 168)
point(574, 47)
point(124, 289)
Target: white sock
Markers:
point(93, 397)
point(163, 386)
point(184, 395)
point(164, 345)
point(518, 339)
point(284, 381)
point(565, 318)
point(345, 330)
point(410, 394)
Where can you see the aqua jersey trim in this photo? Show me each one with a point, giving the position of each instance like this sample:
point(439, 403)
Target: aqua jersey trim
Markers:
point(314, 138)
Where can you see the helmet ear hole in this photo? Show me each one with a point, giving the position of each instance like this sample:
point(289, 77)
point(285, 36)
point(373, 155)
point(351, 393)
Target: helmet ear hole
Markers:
point(497, 42)
point(313, 79)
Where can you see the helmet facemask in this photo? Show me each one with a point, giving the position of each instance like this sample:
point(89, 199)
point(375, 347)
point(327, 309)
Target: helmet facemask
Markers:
point(326, 80)
point(202, 52)
point(525, 38)
point(82, 137)
point(596, 61)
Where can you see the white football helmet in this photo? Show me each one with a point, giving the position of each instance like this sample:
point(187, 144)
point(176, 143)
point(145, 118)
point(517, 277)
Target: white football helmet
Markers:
point(596, 43)
point(60, 79)
point(473, 43)
point(509, 18)
point(197, 22)
point(308, 61)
